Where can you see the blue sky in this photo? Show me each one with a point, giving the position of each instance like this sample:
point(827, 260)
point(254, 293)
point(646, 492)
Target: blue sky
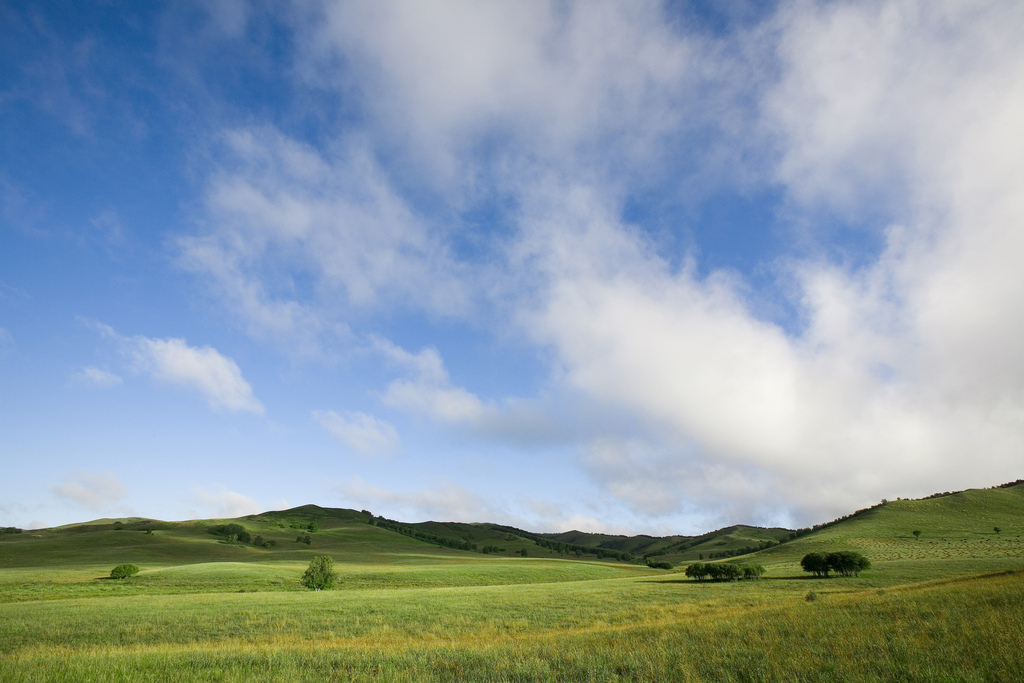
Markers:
point(626, 267)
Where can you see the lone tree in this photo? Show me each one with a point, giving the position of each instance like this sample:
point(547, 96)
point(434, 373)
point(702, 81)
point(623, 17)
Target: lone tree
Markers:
point(320, 574)
point(123, 571)
point(917, 534)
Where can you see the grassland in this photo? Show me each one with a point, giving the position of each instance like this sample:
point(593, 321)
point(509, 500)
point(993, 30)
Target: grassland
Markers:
point(948, 606)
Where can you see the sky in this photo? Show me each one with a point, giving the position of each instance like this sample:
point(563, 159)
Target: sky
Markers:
point(623, 267)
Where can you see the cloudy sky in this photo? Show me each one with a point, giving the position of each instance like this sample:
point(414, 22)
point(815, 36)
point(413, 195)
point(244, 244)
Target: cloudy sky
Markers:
point(632, 267)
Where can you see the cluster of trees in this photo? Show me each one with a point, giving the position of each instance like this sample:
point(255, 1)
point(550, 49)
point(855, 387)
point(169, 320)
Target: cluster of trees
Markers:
point(844, 563)
point(123, 571)
point(488, 549)
point(581, 550)
point(568, 548)
point(311, 526)
point(229, 530)
point(703, 571)
point(10, 530)
point(307, 539)
point(236, 533)
point(392, 525)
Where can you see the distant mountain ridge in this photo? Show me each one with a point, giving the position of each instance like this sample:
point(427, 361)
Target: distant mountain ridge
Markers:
point(499, 539)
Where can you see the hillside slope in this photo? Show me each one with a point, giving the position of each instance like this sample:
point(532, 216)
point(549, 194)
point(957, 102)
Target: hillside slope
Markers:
point(957, 532)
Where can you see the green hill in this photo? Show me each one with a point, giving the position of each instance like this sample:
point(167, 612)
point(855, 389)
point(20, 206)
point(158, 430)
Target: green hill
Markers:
point(956, 530)
point(957, 535)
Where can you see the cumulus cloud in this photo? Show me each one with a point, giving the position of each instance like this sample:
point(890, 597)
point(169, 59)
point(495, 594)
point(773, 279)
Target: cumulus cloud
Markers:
point(97, 377)
point(365, 434)
point(224, 504)
point(904, 365)
point(899, 120)
point(93, 490)
point(203, 369)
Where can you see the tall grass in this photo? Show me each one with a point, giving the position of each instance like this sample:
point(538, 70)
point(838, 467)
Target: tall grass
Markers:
point(965, 630)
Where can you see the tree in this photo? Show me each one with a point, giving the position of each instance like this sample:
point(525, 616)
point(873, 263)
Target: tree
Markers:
point(697, 570)
point(844, 563)
point(847, 563)
point(917, 534)
point(320, 574)
point(996, 529)
point(752, 571)
point(123, 571)
point(815, 563)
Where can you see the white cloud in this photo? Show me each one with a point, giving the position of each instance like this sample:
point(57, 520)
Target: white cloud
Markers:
point(204, 369)
point(93, 490)
point(905, 365)
point(430, 393)
point(97, 377)
point(278, 207)
point(224, 504)
point(901, 119)
point(365, 434)
point(552, 78)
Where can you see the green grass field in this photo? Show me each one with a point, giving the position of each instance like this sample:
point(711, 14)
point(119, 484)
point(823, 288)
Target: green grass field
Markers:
point(947, 606)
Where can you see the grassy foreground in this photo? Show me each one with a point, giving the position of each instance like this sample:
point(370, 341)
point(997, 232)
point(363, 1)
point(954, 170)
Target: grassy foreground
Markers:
point(948, 606)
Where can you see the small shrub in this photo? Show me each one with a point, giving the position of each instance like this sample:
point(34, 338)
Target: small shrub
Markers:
point(523, 552)
point(811, 597)
point(307, 539)
point(258, 541)
point(313, 526)
point(320, 574)
point(917, 534)
point(123, 571)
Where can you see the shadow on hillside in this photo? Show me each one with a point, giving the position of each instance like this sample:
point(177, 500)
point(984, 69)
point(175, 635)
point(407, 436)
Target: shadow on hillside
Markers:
point(753, 581)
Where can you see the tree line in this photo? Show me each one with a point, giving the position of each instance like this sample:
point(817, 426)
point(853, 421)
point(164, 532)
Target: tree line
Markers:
point(446, 541)
point(704, 571)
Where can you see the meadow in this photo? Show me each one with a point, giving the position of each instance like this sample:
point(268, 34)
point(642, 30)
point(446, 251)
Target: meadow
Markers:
point(947, 605)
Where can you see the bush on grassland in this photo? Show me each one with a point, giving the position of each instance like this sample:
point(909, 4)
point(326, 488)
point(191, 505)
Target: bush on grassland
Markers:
point(236, 530)
point(320, 573)
point(123, 571)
